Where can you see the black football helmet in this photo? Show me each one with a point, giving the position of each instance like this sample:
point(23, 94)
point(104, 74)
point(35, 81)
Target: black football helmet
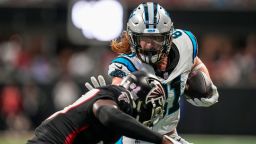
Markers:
point(147, 95)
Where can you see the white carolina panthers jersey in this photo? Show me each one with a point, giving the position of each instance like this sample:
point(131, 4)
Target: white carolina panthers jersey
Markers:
point(174, 79)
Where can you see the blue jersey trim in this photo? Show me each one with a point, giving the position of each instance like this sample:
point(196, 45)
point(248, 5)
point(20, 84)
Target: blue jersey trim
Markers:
point(118, 73)
point(126, 62)
point(120, 141)
point(129, 55)
point(194, 42)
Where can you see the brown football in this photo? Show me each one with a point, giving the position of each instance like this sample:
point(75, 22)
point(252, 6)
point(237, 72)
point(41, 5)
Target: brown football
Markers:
point(198, 85)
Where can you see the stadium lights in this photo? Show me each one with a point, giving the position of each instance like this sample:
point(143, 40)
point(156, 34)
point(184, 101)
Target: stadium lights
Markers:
point(96, 21)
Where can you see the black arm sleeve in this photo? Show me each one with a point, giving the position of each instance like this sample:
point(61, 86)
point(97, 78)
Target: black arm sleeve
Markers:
point(126, 125)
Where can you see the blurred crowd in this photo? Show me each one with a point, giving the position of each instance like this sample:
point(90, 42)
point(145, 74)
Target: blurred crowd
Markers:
point(176, 4)
point(205, 4)
point(39, 76)
point(36, 78)
point(231, 60)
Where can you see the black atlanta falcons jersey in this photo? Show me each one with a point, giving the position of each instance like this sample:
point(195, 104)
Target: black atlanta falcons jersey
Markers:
point(77, 123)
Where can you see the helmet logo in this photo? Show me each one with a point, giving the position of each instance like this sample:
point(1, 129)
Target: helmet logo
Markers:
point(124, 97)
point(151, 30)
point(155, 98)
point(156, 94)
point(146, 96)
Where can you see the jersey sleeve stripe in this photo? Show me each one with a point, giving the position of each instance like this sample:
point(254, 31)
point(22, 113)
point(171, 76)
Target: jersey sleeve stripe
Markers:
point(120, 141)
point(194, 42)
point(129, 55)
point(122, 60)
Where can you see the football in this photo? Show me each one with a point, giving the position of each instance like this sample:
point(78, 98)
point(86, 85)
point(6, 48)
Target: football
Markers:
point(198, 85)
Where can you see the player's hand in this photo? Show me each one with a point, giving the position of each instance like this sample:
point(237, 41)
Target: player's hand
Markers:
point(169, 140)
point(96, 83)
point(206, 102)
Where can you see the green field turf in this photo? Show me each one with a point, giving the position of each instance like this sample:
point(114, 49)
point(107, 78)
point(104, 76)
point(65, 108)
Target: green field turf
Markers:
point(220, 139)
point(196, 139)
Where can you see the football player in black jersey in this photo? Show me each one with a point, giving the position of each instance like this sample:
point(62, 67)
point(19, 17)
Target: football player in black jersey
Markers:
point(106, 113)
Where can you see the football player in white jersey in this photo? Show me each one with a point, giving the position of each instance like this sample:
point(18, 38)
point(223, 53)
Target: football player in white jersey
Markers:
point(152, 44)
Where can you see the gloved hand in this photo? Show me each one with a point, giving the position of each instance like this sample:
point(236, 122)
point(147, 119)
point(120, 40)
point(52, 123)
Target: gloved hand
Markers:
point(96, 83)
point(206, 102)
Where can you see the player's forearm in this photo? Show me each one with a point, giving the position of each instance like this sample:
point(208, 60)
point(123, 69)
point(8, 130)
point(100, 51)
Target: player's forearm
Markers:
point(116, 80)
point(199, 65)
point(126, 125)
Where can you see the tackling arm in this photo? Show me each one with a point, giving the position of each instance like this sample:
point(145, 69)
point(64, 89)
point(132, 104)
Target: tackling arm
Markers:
point(109, 115)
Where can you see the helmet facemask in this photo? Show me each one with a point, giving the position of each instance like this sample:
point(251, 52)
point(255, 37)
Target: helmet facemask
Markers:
point(160, 44)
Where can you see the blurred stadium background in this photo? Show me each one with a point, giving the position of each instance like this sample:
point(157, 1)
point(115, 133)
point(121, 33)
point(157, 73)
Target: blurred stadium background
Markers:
point(49, 48)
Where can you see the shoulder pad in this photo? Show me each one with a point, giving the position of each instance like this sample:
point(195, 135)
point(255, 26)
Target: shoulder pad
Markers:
point(124, 64)
point(183, 36)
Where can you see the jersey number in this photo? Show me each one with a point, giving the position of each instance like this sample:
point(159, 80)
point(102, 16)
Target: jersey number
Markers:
point(173, 91)
point(176, 34)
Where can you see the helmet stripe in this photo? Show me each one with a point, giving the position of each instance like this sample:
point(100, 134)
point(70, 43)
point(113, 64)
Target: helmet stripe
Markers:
point(146, 15)
point(155, 12)
point(151, 15)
